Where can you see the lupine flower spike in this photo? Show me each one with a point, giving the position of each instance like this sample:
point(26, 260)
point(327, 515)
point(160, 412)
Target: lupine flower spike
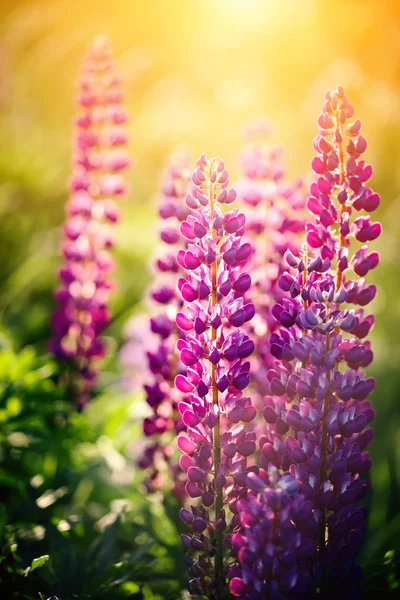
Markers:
point(274, 223)
point(99, 159)
point(165, 422)
point(215, 350)
point(317, 411)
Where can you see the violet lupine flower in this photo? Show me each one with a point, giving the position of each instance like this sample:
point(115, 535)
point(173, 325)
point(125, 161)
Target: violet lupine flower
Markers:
point(215, 352)
point(99, 159)
point(276, 546)
point(163, 364)
point(274, 223)
point(318, 412)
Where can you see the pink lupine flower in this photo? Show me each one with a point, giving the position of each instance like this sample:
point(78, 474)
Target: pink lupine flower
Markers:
point(274, 223)
point(215, 350)
point(132, 356)
point(99, 158)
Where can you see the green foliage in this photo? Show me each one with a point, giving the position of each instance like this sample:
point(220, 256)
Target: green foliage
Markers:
point(73, 520)
point(38, 562)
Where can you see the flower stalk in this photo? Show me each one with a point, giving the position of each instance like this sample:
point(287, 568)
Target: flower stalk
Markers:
point(215, 447)
point(162, 358)
point(99, 160)
point(317, 412)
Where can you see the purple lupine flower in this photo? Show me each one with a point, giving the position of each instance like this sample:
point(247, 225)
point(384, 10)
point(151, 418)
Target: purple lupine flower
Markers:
point(274, 223)
point(215, 351)
point(161, 355)
point(276, 546)
point(317, 414)
point(99, 160)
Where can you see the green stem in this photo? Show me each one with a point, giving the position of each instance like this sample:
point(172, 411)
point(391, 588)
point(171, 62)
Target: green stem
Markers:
point(323, 474)
point(217, 429)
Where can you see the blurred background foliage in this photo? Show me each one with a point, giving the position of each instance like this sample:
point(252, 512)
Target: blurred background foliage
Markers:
point(194, 73)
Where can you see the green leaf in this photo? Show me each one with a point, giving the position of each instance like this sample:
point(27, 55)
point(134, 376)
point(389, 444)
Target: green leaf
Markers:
point(39, 562)
point(14, 548)
point(129, 587)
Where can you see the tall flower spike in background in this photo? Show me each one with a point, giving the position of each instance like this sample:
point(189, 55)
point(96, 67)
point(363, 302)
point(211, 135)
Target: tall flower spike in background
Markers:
point(215, 350)
point(316, 424)
point(99, 159)
point(274, 223)
point(163, 364)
